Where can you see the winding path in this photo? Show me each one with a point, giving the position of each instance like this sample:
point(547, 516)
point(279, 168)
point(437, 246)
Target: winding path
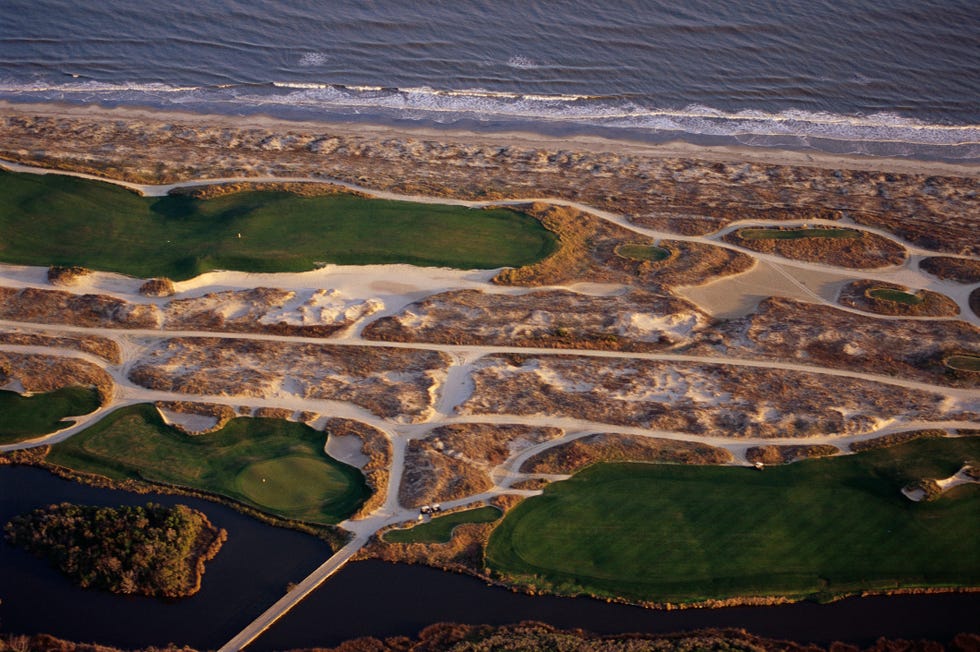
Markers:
point(457, 384)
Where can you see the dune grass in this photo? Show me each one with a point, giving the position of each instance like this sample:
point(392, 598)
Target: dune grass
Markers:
point(440, 529)
point(818, 528)
point(642, 252)
point(275, 465)
point(796, 234)
point(61, 220)
point(896, 296)
point(26, 417)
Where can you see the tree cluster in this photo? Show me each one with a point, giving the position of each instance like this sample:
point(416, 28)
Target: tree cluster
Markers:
point(149, 550)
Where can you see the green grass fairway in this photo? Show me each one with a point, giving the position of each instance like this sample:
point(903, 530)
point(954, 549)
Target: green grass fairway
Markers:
point(440, 529)
point(896, 296)
point(26, 417)
point(655, 532)
point(642, 252)
point(302, 482)
point(795, 234)
point(59, 220)
point(964, 362)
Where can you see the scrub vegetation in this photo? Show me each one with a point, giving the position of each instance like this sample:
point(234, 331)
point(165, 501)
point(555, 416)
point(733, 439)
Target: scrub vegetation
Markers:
point(151, 550)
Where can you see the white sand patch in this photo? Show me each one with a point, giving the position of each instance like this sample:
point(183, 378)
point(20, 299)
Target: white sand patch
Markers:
point(14, 386)
point(645, 327)
point(193, 424)
point(322, 307)
point(739, 295)
point(555, 379)
point(958, 478)
point(347, 449)
point(915, 495)
point(394, 285)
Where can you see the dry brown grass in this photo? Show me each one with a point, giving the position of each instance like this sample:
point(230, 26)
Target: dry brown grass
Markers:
point(95, 345)
point(789, 330)
point(634, 321)
point(393, 383)
point(60, 275)
point(302, 189)
point(607, 447)
point(961, 270)
point(62, 307)
point(158, 287)
point(679, 194)
point(857, 294)
point(45, 373)
point(894, 439)
point(867, 251)
point(726, 400)
point(788, 454)
point(455, 461)
point(587, 253)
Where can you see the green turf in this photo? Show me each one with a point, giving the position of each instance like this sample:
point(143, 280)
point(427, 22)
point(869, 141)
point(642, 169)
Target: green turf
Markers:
point(964, 362)
point(26, 417)
point(795, 234)
point(816, 528)
point(897, 296)
point(440, 529)
point(302, 482)
point(642, 252)
point(60, 220)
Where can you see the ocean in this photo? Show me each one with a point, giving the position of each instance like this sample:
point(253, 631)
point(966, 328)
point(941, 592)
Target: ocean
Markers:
point(877, 77)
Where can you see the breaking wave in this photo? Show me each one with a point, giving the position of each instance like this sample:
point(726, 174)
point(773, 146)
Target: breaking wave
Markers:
point(878, 133)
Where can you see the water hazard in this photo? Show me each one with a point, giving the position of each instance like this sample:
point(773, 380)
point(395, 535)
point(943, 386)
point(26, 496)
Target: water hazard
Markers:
point(375, 598)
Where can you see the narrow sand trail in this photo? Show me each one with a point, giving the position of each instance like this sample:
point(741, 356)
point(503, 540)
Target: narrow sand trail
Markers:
point(396, 286)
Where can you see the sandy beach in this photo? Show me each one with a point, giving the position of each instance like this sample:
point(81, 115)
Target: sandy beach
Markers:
point(579, 143)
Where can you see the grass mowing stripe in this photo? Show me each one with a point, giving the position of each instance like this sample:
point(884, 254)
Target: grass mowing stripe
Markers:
point(653, 532)
point(25, 417)
point(440, 529)
point(59, 220)
point(302, 481)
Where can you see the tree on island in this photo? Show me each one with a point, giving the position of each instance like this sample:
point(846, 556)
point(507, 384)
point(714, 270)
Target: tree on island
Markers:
point(149, 550)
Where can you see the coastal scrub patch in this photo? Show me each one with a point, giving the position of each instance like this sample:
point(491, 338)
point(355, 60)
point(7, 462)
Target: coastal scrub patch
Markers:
point(657, 533)
point(834, 246)
point(59, 220)
point(23, 417)
point(148, 550)
point(897, 300)
point(301, 481)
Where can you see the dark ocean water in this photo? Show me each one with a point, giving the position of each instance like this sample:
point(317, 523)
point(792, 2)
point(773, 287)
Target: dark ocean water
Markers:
point(885, 77)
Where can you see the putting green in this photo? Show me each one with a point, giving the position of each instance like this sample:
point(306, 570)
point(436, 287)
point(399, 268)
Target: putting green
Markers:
point(642, 252)
point(795, 234)
point(290, 484)
point(896, 296)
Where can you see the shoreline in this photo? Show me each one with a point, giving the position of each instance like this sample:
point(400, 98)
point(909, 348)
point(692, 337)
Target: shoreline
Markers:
point(579, 142)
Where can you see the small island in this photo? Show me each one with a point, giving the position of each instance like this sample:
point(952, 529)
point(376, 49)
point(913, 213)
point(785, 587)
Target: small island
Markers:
point(148, 550)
